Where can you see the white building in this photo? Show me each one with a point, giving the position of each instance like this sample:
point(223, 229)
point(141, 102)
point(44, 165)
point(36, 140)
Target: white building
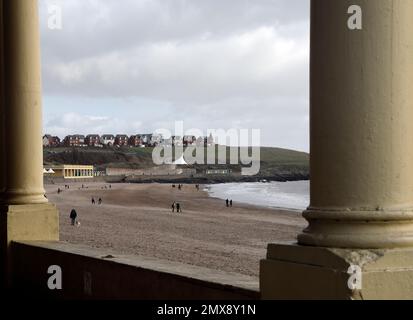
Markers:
point(107, 140)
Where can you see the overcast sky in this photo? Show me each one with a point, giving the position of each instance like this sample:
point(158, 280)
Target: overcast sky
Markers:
point(134, 66)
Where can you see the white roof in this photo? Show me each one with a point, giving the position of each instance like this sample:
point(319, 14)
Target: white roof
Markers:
point(180, 161)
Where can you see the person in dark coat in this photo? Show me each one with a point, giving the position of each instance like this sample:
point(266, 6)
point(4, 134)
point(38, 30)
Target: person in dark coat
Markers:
point(227, 202)
point(73, 216)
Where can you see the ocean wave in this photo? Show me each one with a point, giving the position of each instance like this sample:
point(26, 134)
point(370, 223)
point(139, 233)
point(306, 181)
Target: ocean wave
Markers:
point(287, 195)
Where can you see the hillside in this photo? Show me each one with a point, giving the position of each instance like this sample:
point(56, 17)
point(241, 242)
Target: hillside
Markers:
point(276, 164)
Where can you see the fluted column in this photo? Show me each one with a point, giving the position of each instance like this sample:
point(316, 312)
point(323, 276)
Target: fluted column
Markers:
point(22, 104)
point(361, 126)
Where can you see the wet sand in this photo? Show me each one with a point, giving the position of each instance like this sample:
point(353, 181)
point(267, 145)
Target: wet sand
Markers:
point(137, 219)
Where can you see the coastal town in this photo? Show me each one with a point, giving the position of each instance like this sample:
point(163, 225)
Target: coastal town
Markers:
point(123, 140)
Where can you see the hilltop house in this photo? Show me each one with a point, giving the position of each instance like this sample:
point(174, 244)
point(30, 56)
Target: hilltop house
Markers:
point(177, 141)
point(93, 140)
point(135, 141)
point(146, 139)
point(200, 141)
point(121, 140)
point(156, 139)
point(51, 141)
point(107, 140)
point(210, 140)
point(76, 140)
point(189, 140)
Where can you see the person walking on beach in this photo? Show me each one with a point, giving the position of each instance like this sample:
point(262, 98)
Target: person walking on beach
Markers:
point(178, 208)
point(100, 201)
point(227, 202)
point(73, 216)
point(93, 201)
point(173, 207)
point(230, 203)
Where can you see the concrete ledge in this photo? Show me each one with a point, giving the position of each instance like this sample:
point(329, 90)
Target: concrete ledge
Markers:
point(292, 271)
point(95, 274)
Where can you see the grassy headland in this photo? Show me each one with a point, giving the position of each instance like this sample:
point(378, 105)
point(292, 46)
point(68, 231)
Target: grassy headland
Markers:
point(276, 164)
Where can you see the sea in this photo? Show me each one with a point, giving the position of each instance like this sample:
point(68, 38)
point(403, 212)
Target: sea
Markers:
point(282, 195)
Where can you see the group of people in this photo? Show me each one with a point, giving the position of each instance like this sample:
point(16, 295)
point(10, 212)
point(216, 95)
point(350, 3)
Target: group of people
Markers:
point(100, 201)
point(181, 186)
point(73, 214)
point(229, 203)
point(176, 206)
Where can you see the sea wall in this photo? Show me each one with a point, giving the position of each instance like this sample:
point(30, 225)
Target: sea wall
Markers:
point(88, 273)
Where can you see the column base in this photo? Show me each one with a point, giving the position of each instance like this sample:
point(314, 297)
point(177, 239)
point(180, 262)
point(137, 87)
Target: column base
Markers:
point(298, 272)
point(35, 222)
point(360, 229)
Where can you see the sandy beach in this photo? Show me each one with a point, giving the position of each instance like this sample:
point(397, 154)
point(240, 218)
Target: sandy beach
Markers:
point(137, 219)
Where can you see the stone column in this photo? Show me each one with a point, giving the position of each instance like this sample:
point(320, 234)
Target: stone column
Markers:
point(361, 158)
point(361, 126)
point(2, 120)
point(25, 213)
point(22, 100)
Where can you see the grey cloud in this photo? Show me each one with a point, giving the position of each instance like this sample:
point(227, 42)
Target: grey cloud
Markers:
point(218, 63)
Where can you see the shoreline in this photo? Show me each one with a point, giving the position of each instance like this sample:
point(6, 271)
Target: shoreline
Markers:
point(212, 179)
point(257, 205)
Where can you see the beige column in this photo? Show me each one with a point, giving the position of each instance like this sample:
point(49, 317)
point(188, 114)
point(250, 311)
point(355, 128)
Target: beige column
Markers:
point(25, 213)
point(22, 103)
point(361, 126)
point(361, 212)
point(2, 120)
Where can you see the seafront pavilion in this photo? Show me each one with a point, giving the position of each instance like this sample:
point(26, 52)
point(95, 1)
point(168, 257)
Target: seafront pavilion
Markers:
point(361, 212)
point(72, 171)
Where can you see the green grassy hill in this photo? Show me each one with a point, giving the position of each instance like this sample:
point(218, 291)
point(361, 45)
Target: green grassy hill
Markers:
point(274, 161)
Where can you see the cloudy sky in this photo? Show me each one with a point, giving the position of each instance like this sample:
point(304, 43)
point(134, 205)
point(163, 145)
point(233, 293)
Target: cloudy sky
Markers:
point(134, 66)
